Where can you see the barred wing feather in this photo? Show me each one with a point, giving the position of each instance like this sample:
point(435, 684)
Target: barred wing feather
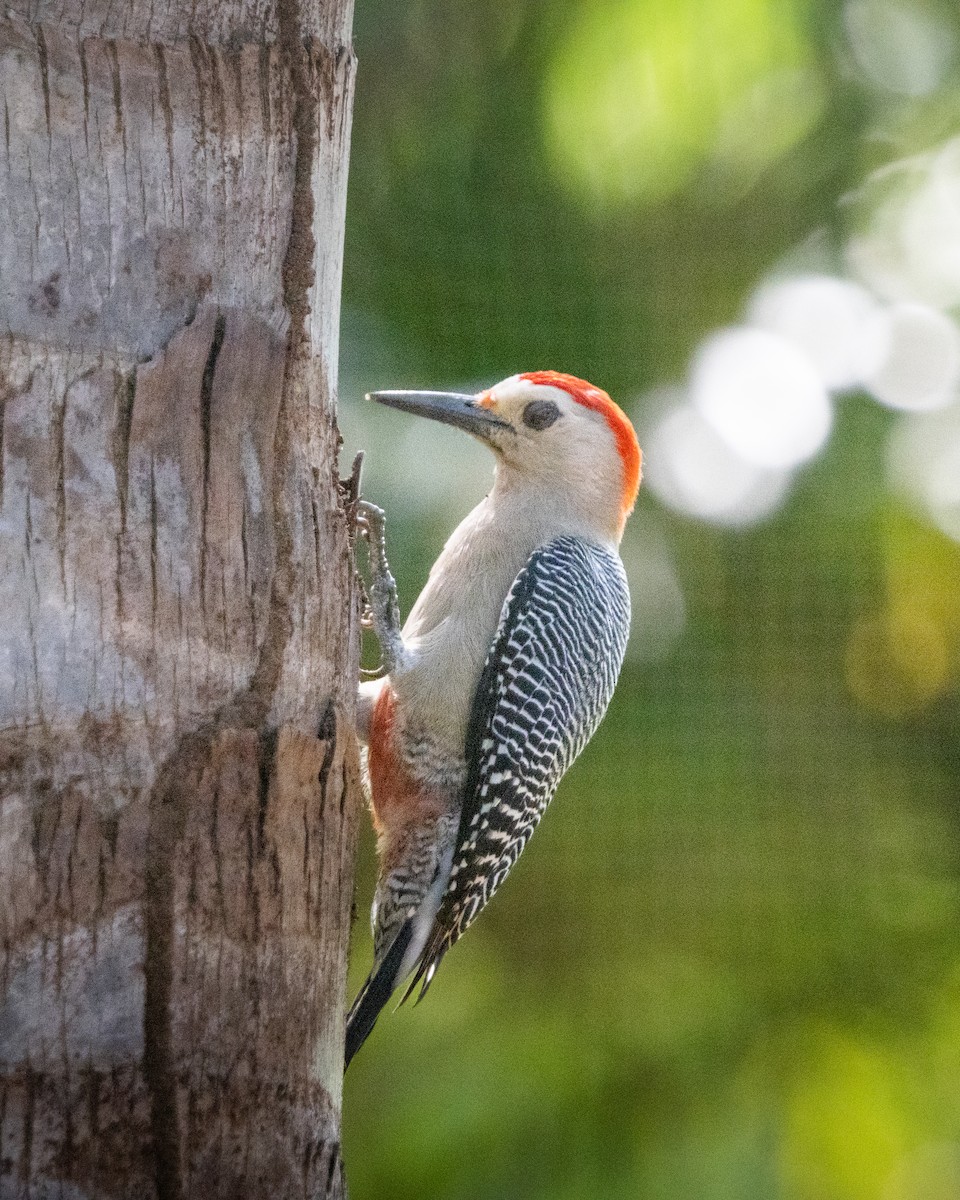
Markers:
point(546, 684)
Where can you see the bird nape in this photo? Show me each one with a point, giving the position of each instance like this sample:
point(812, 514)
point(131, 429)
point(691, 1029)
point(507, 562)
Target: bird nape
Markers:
point(503, 669)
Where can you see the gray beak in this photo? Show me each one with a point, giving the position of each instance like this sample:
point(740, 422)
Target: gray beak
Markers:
point(450, 408)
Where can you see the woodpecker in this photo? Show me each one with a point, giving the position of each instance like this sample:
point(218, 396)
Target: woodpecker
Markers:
point(504, 668)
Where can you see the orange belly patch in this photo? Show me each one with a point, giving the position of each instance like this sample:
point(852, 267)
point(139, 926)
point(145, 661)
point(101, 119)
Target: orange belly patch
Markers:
point(397, 796)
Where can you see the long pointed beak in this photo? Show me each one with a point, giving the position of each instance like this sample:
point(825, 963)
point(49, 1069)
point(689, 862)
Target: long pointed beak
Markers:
point(450, 408)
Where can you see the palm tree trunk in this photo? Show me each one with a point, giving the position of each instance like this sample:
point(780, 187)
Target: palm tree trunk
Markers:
point(178, 619)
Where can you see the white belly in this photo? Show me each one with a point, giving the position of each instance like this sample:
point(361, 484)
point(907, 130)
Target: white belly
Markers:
point(452, 625)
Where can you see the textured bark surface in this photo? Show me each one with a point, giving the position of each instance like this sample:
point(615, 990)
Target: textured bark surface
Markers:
point(178, 783)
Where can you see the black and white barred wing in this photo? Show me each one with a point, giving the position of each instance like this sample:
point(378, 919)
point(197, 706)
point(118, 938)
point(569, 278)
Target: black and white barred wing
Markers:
point(546, 684)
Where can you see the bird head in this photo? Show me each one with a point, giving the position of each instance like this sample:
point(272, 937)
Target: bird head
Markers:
point(553, 434)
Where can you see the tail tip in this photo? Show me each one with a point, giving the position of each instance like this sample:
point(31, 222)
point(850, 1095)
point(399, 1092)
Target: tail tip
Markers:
point(374, 995)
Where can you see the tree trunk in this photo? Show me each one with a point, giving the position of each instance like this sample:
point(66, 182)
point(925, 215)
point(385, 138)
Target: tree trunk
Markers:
point(178, 620)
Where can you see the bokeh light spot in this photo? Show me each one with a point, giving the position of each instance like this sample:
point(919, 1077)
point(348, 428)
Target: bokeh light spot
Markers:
point(921, 365)
point(908, 245)
point(898, 662)
point(763, 396)
point(924, 462)
point(658, 608)
point(833, 321)
point(694, 471)
point(631, 112)
point(900, 45)
point(845, 1126)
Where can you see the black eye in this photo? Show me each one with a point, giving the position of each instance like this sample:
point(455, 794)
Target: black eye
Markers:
point(540, 414)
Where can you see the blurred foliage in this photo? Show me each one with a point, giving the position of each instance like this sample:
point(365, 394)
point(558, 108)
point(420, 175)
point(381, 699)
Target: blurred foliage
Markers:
point(728, 968)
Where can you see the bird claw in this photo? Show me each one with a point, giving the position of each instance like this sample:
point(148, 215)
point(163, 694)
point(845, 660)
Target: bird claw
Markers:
point(370, 522)
point(380, 612)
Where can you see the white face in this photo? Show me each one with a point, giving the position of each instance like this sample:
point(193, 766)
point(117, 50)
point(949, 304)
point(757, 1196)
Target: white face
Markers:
point(567, 448)
point(548, 428)
point(555, 455)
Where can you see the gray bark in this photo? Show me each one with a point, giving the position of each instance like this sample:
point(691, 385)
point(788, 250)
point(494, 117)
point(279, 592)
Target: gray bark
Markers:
point(178, 618)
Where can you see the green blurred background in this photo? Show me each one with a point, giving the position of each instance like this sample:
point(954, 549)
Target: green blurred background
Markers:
point(728, 966)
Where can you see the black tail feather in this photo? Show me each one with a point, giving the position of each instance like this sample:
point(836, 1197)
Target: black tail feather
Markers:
point(375, 993)
point(430, 959)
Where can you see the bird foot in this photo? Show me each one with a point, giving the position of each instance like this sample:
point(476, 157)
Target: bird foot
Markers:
point(382, 613)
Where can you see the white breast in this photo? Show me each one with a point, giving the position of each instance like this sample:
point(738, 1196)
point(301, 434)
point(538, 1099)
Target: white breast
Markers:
point(452, 624)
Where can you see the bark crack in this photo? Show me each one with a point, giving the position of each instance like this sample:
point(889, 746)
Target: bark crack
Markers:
point(334, 1172)
point(4, 396)
point(164, 88)
point(125, 394)
point(206, 402)
point(263, 79)
point(85, 84)
point(244, 548)
point(26, 1153)
point(44, 65)
point(268, 751)
point(298, 263)
point(58, 433)
point(117, 94)
point(197, 50)
point(169, 802)
point(153, 544)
